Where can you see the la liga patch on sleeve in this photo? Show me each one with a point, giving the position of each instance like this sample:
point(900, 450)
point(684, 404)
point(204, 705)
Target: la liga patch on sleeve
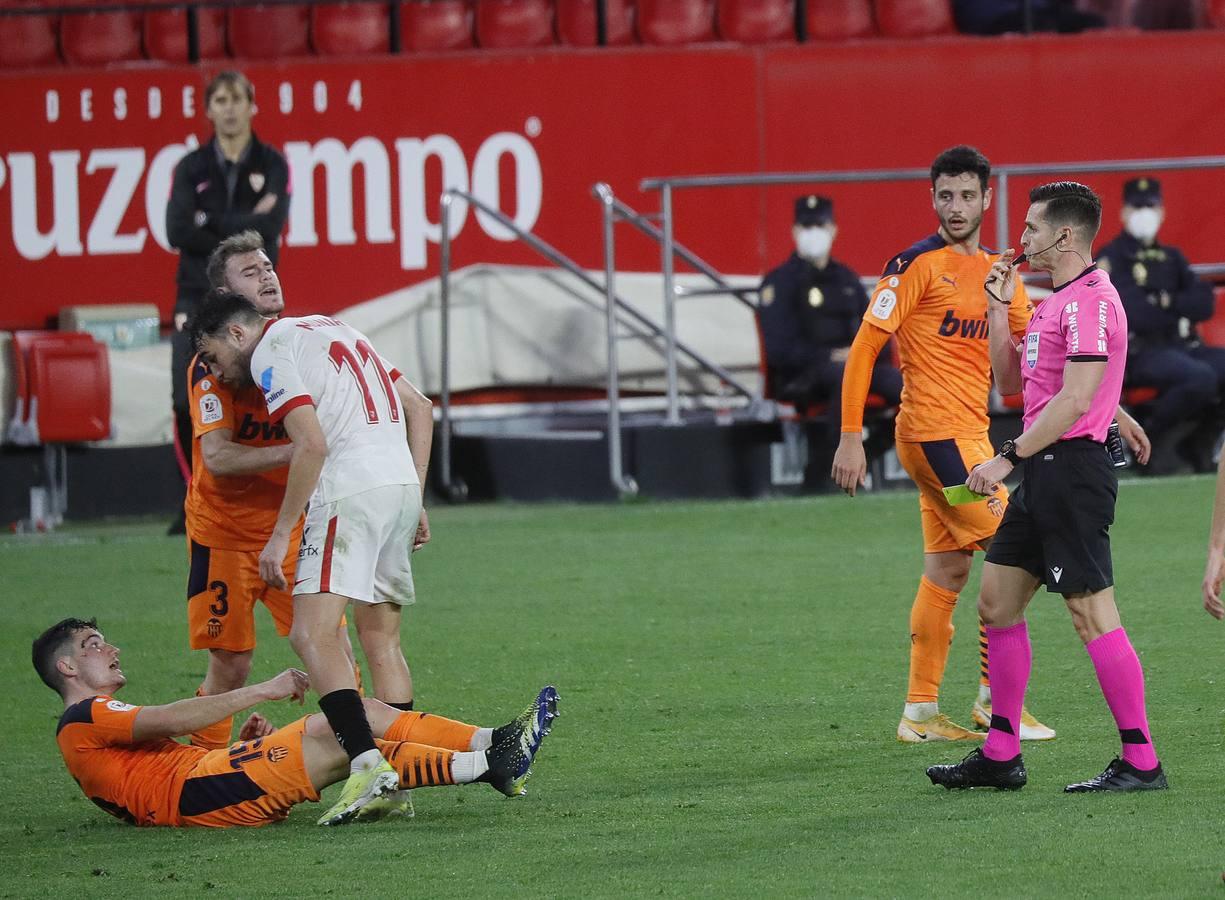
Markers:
point(883, 305)
point(210, 409)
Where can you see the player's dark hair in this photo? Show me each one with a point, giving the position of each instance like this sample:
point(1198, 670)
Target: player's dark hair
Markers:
point(219, 308)
point(232, 79)
point(51, 645)
point(959, 160)
point(1070, 203)
point(235, 245)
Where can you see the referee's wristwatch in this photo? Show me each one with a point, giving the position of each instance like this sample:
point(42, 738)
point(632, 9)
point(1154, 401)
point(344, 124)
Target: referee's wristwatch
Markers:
point(1008, 450)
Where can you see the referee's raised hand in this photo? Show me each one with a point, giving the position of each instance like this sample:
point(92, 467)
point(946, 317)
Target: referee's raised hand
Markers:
point(1001, 283)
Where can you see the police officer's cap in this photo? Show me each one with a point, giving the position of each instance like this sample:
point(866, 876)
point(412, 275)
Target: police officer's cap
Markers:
point(812, 209)
point(1142, 192)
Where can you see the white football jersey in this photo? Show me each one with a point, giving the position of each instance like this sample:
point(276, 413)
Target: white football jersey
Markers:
point(319, 360)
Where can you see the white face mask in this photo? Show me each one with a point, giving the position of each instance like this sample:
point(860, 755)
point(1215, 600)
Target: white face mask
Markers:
point(814, 242)
point(1142, 224)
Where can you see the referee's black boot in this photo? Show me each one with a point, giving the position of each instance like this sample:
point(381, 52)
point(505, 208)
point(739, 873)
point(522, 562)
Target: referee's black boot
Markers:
point(1121, 775)
point(977, 770)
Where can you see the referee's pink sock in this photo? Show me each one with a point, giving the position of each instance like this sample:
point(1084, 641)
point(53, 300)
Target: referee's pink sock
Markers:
point(1009, 657)
point(1122, 681)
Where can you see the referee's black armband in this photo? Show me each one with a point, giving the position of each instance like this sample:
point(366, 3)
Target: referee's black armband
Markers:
point(1089, 357)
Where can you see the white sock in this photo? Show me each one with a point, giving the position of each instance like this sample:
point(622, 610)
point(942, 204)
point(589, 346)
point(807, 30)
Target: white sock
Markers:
point(984, 694)
point(917, 712)
point(482, 740)
point(364, 762)
point(468, 766)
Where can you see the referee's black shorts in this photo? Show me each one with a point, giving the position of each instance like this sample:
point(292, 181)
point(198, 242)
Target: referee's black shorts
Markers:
point(1057, 525)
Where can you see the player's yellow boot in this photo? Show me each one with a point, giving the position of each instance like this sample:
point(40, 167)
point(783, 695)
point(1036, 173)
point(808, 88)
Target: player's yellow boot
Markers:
point(397, 804)
point(937, 727)
point(359, 791)
point(1031, 728)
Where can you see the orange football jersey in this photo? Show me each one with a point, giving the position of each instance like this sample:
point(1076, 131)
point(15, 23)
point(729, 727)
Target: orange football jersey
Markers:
point(930, 297)
point(232, 512)
point(139, 783)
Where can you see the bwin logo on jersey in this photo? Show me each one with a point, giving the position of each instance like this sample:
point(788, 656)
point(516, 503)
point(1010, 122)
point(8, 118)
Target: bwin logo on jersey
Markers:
point(966, 328)
point(265, 379)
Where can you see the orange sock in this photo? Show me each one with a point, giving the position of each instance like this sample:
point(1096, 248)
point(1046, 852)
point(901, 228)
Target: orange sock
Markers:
point(983, 678)
point(931, 632)
point(435, 731)
point(215, 736)
point(417, 764)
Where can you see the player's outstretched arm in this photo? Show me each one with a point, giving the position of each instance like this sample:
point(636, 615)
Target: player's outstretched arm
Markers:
point(310, 449)
point(194, 713)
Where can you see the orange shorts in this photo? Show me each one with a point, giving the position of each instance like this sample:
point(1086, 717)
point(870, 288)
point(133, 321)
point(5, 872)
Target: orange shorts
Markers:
point(249, 783)
point(935, 465)
point(222, 591)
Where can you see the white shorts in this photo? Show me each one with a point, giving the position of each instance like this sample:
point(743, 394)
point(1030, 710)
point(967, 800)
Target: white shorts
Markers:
point(360, 546)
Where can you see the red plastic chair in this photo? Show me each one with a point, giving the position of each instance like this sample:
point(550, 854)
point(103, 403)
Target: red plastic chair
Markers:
point(269, 32)
point(435, 25)
point(672, 22)
point(914, 18)
point(346, 29)
point(28, 41)
point(34, 411)
point(95, 39)
point(165, 34)
point(838, 20)
point(1212, 330)
point(70, 383)
point(576, 25)
point(502, 24)
point(756, 21)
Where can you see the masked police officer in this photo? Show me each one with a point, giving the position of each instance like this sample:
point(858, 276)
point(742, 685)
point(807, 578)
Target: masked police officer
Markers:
point(810, 309)
point(1164, 299)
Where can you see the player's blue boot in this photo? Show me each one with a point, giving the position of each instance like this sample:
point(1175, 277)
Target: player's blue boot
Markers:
point(514, 745)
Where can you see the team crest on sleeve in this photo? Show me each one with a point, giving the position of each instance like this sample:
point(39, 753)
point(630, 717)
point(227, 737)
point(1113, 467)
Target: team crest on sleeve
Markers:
point(265, 379)
point(210, 409)
point(1031, 349)
point(884, 304)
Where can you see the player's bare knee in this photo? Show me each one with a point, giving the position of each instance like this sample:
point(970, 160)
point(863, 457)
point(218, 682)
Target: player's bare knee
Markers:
point(228, 670)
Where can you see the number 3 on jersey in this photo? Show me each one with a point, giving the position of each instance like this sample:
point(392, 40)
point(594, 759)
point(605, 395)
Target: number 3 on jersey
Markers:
point(342, 355)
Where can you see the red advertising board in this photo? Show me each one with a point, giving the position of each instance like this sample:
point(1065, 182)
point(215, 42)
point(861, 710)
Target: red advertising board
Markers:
point(86, 155)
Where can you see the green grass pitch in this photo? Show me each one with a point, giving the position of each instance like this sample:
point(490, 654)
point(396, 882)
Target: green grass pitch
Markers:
point(731, 677)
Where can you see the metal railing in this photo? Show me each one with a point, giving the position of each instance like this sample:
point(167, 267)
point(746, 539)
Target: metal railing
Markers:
point(621, 482)
point(666, 186)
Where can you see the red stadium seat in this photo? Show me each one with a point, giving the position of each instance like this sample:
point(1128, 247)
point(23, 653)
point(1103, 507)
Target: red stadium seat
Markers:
point(838, 20)
point(166, 34)
point(576, 26)
point(914, 18)
point(45, 361)
point(269, 32)
point(435, 25)
point(756, 21)
point(94, 39)
point(514, 23)
point(28, 41)
point(339, 29)
point(671, 22)
point(1212, 331)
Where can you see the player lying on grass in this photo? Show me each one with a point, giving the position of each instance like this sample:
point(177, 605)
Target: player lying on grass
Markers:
point(126, 761)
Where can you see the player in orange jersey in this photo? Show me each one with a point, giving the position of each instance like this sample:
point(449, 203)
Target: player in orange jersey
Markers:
point(930, 298)
point(126, 761)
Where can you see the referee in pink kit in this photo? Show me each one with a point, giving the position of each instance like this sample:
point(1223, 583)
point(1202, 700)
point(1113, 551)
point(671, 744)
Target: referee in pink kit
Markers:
point(1056, 529)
